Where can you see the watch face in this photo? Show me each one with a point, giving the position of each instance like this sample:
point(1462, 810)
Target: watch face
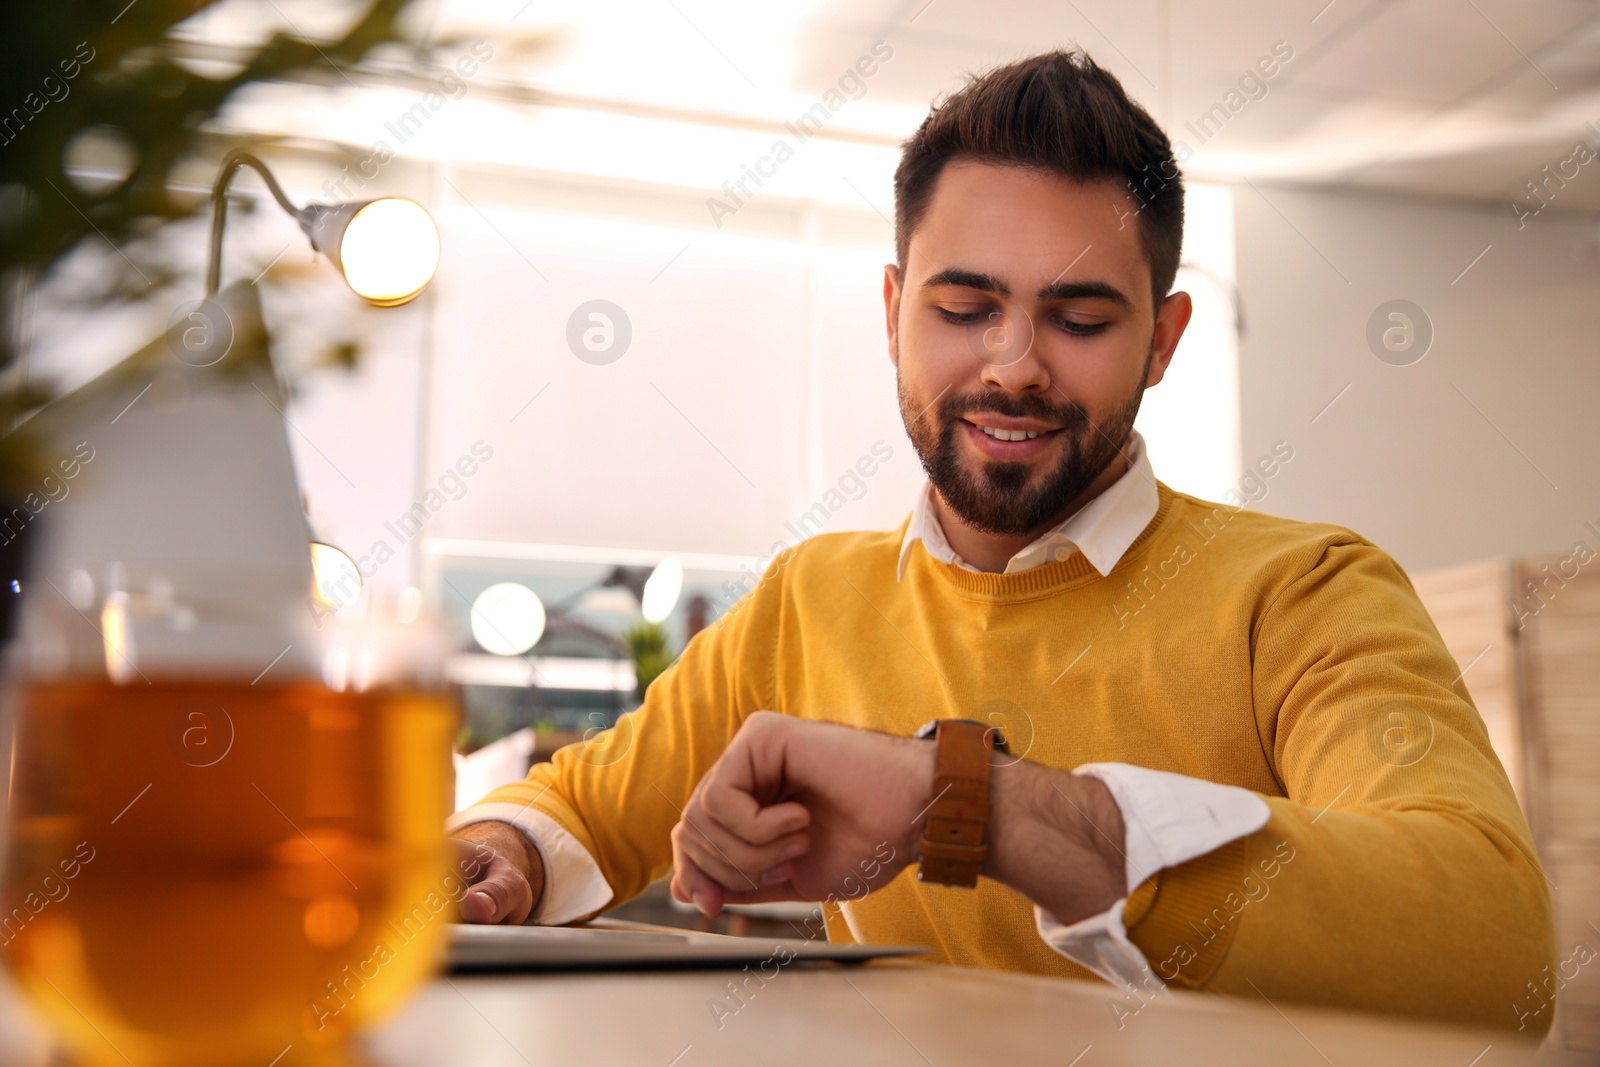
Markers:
point(930, 730)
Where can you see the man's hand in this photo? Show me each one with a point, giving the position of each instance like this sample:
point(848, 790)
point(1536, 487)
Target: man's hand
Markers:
point(799, 810)
point(504, 871)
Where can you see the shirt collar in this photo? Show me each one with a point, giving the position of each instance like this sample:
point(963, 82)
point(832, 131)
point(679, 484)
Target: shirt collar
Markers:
point(1102, 530)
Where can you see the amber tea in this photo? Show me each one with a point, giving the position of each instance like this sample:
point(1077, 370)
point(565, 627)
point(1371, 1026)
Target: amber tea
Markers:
point(220, 873)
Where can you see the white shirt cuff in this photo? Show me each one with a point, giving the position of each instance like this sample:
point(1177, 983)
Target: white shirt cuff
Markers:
point(1101, 944)
point(1169, 819)
point(573, 885)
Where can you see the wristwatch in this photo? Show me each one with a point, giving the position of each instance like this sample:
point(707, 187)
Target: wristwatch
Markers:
point(955, 840)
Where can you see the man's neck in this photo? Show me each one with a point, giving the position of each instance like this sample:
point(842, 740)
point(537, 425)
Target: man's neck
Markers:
point(991, 552)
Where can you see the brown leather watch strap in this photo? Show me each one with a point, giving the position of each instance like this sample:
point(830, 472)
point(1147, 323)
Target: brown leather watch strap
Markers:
point(955, 840)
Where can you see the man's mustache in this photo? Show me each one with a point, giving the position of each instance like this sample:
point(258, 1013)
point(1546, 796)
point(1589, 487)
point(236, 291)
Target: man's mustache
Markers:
point(1027, 406)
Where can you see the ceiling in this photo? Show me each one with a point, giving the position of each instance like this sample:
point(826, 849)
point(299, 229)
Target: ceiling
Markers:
point(1457, 98)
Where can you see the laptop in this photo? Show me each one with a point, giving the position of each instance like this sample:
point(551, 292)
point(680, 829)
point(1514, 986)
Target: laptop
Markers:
point(609, 944)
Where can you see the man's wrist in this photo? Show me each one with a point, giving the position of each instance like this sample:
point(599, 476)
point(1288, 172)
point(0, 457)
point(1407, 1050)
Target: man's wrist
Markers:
point(1057, 838)
point(919, 756)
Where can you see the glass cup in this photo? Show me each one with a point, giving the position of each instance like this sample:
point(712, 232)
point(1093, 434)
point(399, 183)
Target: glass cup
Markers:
point(216, 870)
point(226, 799)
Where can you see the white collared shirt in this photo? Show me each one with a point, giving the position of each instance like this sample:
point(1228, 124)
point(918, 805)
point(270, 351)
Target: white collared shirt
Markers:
point(1169, 818)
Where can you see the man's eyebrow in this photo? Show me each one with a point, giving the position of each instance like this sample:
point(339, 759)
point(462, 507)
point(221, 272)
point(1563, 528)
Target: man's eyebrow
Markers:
point(1081, 290)
point(971, 279)
point(968, 279)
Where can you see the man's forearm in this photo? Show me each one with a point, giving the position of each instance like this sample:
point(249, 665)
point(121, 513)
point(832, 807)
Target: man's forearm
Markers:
point(1058, 839)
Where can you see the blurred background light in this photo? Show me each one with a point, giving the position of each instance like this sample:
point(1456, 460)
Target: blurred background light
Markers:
point(335, 579)
point(661, 591)
point(507, 619)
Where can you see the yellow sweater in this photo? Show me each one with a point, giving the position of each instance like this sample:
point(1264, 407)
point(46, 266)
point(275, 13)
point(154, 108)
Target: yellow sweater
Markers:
point(1396, 873)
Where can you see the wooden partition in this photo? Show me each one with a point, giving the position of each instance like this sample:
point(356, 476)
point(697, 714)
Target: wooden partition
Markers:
point(1526, 633)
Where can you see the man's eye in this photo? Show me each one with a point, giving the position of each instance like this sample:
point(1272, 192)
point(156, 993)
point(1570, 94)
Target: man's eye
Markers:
point(1083, 329)
point(960, 318)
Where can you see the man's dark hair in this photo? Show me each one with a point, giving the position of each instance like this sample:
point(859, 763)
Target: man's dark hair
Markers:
point(1062, 113)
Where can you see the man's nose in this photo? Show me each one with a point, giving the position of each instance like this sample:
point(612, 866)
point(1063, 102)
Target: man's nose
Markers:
point(1008, 350)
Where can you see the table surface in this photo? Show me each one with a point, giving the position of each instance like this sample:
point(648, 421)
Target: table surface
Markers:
point(892, 1012)
point(885, 1013)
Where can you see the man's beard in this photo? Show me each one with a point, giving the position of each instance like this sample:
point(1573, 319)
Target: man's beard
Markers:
point(999, 499)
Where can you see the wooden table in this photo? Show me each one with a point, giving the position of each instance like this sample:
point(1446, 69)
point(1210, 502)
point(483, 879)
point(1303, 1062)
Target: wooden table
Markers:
point(882, 1014)
point(891, 1012)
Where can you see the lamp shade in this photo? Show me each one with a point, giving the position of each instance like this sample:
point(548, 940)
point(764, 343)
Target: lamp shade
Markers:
point(387, 249)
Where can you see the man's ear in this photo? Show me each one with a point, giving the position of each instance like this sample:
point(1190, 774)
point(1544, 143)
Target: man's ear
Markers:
point(1171, 320)
point(891, 309)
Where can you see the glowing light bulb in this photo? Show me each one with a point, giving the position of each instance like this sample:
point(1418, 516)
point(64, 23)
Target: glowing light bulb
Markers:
point(390, 251)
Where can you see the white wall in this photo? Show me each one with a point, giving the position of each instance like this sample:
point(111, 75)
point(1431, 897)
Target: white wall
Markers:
point(754, 376)
point(1487, 445)
point(756, 381)
point(1191, 420)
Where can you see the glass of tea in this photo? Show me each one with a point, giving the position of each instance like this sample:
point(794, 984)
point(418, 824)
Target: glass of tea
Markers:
point(216, 867)
point(224, 830)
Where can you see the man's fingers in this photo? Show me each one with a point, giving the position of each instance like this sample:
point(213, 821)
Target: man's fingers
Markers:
point(480, 906)
point(503, 896)
point(689, 844)
point(740, 853)
point(734, 863)
point(498, 893)
point(691, 885)
point(729, 801)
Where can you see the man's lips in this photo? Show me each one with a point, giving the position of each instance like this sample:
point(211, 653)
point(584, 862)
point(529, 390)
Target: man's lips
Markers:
point(1005, 422)
point(993, 447)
